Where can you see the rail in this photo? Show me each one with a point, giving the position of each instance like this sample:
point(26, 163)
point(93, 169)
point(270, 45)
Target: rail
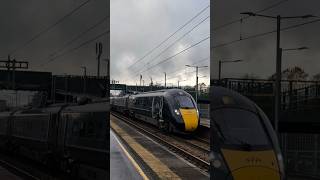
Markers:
point(174, 147)
point(18, 171)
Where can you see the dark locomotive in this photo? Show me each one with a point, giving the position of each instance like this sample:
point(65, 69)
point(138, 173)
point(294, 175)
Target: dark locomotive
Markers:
point(71, 138)
point(172, 110)
point(244, 143)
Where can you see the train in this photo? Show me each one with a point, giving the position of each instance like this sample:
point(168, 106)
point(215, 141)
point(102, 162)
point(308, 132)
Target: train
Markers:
point(69, 138)
point(243, 142)
point(171, 110)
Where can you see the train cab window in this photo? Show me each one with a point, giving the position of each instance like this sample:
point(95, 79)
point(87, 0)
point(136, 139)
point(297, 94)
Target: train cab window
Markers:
point(184, 102)
point(240, 127)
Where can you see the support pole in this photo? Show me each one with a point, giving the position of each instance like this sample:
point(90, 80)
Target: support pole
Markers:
point(197, 78)
point(278, 79)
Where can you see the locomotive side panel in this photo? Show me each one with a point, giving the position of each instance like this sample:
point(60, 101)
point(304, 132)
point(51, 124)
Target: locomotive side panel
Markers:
point(30, 135)
point(4, 128)
point(86, 139)
point(142, 109)
point(4, 118)
point(120, 104)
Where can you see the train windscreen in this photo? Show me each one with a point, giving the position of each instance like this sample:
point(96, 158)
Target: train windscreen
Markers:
point(240, 127)
point(184, 102)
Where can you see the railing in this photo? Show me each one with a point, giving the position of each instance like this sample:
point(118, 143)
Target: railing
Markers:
point(246, 86)
point(261, 86)
point(294, 99)
point(90, 85)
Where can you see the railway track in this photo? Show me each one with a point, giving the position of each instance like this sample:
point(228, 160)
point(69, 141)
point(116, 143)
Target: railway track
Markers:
point(207, 141)
point(17, 171)
point(28, 169)
point(196, 153)
point(194, 143)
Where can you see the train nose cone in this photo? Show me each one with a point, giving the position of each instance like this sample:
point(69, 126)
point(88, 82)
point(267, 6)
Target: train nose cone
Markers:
point(255, 173)
point(252, 165)
point(190, 119)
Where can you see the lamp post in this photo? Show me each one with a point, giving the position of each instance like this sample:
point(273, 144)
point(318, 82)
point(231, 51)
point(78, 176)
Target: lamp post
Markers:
point(226, 61)
point(294, 49)
point(108, 66)
point(140, 79)
point(84, 70)
point(197, 68)
point(65, 87)
point(277, 90)
point(84, 78)
point(165, 79)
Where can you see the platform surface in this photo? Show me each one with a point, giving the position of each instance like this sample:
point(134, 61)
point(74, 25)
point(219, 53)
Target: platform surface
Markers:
point(121, 167)
point(7, 175)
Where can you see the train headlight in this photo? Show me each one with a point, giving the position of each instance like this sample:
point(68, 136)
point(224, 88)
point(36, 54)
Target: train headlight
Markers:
point(177, 112)
point(216, 163)
point(216, 160)
point(220, 169)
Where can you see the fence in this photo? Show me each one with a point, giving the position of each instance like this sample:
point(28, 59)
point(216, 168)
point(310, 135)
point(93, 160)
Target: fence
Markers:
point(260, 86)
point(90, 85)
point(295, 98)
point(301, 153)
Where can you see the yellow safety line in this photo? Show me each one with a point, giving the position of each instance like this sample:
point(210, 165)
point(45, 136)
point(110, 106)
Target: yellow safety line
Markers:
point(162, 171)
point(134, 163)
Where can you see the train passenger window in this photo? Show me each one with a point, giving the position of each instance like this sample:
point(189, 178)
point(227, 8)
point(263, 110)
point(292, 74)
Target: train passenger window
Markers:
point(144, 102)
point(137, 102)
point(184, 102)
point(149, 103)
point(84, 129)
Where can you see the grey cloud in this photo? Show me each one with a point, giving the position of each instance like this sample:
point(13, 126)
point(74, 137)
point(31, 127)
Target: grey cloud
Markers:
point(259, 53)
point(137, 26)
point(21, 20)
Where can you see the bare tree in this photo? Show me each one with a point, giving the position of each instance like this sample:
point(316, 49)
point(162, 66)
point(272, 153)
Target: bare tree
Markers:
point(316, 77)
point(250, 76)
point(295, 73)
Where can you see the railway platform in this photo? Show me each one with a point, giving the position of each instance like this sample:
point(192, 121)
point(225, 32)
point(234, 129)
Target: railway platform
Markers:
point(154, 160)
point(122, 165)
point(8, 175)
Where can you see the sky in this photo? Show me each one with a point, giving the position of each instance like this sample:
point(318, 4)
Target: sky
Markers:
point(138, 26)
point(258, 54)
point(22, 20)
